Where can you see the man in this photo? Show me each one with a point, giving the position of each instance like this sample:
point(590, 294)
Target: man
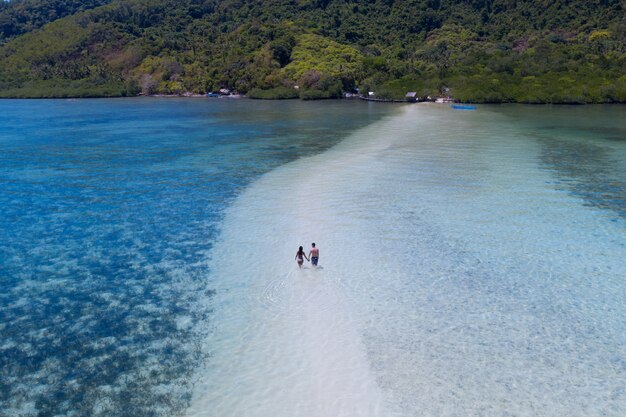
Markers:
point(314, 254)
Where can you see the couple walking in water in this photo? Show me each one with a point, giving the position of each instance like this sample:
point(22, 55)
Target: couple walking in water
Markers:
point(314, 254)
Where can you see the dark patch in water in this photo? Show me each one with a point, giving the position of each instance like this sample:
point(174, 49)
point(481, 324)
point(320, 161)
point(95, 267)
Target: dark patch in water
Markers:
point(587, 171)
point(616, 134)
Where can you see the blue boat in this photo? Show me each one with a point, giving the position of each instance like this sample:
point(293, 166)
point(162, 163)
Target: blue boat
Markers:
point(212, 94)
point(463, 107)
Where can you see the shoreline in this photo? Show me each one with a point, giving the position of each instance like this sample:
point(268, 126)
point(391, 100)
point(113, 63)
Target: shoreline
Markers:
point(374, 100)
point(381, 101)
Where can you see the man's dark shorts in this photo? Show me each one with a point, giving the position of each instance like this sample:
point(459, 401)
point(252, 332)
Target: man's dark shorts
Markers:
point(314, 260)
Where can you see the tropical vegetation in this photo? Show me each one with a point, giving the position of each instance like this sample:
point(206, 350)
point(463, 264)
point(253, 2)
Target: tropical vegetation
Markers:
point(532, 51)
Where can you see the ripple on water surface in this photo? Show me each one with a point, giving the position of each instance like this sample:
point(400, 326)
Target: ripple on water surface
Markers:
point(110, 209)
point(458, 274)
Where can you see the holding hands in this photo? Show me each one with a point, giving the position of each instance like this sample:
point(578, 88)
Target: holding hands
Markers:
point(314, 254)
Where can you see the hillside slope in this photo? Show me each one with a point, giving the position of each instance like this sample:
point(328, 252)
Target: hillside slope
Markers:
point(22, 16)
point(482, 50)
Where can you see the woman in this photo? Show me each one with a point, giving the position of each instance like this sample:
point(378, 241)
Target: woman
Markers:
point(300, 255)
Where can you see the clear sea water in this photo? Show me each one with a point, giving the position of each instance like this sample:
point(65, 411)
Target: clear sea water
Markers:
point(110, 209)
point(472, 262)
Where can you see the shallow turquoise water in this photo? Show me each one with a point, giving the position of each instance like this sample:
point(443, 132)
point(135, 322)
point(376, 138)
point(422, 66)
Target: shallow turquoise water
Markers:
point(473, 265)
point(473, 262)
point(109, 212)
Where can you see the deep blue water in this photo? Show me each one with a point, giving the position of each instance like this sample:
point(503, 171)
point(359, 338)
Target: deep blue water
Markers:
point(109, 211)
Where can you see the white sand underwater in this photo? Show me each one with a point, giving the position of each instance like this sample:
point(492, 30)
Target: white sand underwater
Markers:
point(445, 289)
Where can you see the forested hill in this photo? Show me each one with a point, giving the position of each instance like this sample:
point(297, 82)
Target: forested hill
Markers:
point(557, 51)
point(21, 16)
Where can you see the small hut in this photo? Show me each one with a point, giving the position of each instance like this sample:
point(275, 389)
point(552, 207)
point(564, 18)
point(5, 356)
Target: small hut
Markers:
point(411, 96)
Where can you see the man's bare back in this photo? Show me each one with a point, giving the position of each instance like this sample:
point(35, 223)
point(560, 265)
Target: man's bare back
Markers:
point(314, 254)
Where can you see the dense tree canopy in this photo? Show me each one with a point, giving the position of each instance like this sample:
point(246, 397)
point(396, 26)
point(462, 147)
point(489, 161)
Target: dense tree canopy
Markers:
point(21, 16)
point(566, 51)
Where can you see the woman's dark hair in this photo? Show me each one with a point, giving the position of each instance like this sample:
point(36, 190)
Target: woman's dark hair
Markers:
point(300, 250)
